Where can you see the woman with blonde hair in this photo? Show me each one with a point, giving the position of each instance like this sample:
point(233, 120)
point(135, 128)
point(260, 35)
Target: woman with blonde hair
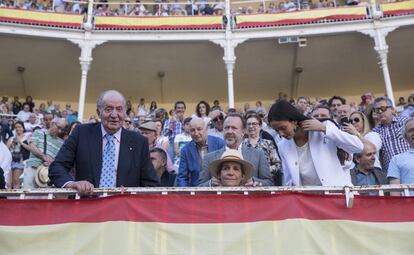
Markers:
point(359, 125)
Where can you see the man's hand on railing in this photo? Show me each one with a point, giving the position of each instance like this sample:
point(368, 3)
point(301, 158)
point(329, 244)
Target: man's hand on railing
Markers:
point(83, 187)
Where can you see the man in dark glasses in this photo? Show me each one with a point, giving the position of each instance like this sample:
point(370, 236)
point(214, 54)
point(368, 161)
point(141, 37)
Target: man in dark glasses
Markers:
point(128, 124)
point(217, 120)
point(389, 129)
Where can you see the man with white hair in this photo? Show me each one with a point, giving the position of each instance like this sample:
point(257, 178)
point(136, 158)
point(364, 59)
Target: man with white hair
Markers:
point(401, 168)
point(104, 154)
point(193, 153)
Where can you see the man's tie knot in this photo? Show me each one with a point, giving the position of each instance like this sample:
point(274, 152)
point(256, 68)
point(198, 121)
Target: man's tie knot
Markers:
point(109, 137)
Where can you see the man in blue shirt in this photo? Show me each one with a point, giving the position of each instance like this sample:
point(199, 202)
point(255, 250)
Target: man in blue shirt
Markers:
point(401, 168)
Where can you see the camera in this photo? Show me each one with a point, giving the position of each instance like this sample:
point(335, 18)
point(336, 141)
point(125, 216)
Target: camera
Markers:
point(344, 120)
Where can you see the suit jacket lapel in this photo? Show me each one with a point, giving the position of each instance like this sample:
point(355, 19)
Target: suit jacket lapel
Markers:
point(95, 150)
point(124, 158)
point(194, 154)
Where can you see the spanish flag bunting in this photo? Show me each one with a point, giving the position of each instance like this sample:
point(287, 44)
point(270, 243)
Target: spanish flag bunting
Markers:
point(286, 223)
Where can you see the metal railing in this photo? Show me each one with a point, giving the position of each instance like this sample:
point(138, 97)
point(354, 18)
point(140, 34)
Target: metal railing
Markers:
point(181, 8)
point(349, 192)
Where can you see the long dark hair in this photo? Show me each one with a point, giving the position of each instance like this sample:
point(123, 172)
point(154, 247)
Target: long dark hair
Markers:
point(283, 110)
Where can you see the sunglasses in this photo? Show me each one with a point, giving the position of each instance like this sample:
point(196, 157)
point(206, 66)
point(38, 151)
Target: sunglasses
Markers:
point(127, 121)
point(381, 109)
point(219, 118)
point(354, 120)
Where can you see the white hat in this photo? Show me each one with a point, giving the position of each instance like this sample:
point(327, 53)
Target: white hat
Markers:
point(42, 176)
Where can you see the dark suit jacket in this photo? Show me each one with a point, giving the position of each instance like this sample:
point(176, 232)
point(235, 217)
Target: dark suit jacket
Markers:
point(256, 157)
point(83, 149)
point(190, 165)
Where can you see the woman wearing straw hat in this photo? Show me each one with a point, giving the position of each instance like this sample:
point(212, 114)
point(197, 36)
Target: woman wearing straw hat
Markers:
point(231, 170)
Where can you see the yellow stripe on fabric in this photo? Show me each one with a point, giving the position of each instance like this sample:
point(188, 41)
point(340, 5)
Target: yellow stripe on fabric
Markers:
point(294, 236)
point(41, 16)
point(407, 5)
point(157, 21)
point(301, 15)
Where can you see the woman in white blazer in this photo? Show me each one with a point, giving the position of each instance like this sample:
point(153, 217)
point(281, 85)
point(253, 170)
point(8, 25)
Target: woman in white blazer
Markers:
point(309, 149)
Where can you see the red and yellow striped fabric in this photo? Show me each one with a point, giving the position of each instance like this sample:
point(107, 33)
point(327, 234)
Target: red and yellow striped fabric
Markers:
point(151, 22)
point(289, 223)
point(289, 18)
point(40, 18)
point(399, 8)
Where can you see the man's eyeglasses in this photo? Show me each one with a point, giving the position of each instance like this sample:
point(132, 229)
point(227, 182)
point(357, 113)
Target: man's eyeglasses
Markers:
point(253, 124)
point(354, 120)
point(60, 128)
point(381, 109)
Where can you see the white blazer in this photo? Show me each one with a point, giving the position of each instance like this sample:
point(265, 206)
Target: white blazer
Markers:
point(5, 161)
point(323, 148)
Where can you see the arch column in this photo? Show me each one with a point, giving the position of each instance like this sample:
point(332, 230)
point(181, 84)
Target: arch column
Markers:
point(379, 35)
point(229, 58)
point(229, 44)
point(85, 61)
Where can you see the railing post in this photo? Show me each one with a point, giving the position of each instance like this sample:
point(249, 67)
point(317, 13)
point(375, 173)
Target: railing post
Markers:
point(375, 10)
point(89, 16)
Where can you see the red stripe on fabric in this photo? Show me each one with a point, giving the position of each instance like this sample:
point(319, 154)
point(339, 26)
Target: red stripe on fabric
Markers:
point(39, 22)
point(207, 208)
point(297, 21)
point(398, 12)
point(212, 26)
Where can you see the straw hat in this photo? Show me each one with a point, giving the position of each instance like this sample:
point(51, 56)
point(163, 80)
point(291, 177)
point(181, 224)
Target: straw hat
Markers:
point(231, 156)
point(42, 176)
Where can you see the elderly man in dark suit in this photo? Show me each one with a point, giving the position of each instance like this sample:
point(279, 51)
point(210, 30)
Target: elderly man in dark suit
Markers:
point(104, 154)
point(234, 130)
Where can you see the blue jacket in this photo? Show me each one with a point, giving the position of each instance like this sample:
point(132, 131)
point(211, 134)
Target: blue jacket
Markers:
point(190, 165)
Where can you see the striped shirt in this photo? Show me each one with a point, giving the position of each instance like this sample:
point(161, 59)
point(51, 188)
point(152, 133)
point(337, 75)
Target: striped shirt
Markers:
point(393, 141)
point(171, 133)
point(52, 147)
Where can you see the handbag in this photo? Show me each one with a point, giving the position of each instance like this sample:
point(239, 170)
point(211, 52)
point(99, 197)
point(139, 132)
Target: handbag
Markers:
point(42, 171)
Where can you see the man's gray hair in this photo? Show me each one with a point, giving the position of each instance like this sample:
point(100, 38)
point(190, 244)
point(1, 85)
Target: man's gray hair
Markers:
point(404, 127)
point(100, 102)
point(57, 120)
point(386, 99)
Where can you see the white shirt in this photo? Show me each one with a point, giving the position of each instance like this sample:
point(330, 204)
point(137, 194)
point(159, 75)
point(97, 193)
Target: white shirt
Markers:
point(23, 116)
point(307, 170)
point(5, 161)
point(29, 126)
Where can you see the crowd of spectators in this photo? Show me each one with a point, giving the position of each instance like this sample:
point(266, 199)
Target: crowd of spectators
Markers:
point(174, 8)
point(326, 142)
